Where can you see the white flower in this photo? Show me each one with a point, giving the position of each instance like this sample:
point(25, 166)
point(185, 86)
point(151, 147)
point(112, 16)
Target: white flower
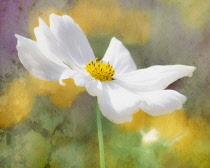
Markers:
point(62, 51)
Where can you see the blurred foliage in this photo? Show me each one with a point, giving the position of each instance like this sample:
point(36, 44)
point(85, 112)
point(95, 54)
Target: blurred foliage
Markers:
point(16, 103)
point(195, 14)
point(18, 99)
point(65, 138)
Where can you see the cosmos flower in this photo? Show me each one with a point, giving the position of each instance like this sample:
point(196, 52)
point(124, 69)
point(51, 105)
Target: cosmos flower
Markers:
point(62, 51)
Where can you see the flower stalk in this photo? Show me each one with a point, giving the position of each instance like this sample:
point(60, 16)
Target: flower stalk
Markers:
point(100, 137)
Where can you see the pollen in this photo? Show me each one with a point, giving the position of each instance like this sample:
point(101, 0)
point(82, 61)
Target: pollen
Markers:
point(100, 70)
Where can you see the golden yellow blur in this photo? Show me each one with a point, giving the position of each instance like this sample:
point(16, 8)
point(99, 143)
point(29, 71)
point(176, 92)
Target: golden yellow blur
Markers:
point(170, 125)
point(62, 96)
point(97, 17)
point(139, 120)
point(176, 121)
point(17, 102)
point(134, 26)
point(189, 137)
point(192, 136)
point(195, 14)
point(108, 17)
point(43, 9)
point(195, 146)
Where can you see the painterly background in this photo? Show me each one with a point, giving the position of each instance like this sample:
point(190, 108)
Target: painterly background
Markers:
point(45, 125)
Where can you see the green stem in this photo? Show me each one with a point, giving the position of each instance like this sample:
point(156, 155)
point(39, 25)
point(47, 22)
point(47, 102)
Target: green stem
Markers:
point(100, 137)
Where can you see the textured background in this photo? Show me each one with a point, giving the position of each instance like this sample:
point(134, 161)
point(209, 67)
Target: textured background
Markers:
point(46, 125)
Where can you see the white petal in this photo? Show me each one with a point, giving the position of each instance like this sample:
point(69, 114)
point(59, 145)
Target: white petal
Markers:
point(71, 37)
point(51, 48)
point(80, 79)
point(161, 102)
point(155, 77)
point(119, 57)
point(65, 75)
point(116, 103)
point(94, 87)
point(36, 62)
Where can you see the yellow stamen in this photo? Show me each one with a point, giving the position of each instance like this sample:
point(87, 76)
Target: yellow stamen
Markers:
point(99, 70)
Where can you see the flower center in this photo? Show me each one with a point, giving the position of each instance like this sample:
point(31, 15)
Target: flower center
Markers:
point(99, 70)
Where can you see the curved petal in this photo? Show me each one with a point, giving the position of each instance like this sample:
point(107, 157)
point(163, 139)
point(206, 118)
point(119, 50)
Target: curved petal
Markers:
point(80, 79)
point(94, 87)
point(71, 37)
point(119, 57)
point(116, 103)
point(155, 77)
point(36, 62)
point(161, 102)
point(51, 48)
point(65, 75)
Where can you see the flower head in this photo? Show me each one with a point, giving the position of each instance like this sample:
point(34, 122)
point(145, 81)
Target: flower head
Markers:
point(62, 51)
